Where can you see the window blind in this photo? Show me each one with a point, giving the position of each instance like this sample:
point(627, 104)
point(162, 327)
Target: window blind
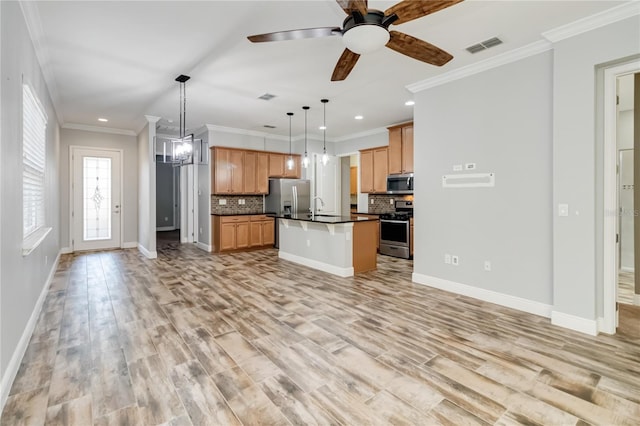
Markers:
point(34, 126)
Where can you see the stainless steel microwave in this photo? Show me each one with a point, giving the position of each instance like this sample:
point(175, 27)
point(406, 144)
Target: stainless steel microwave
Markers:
point(400, 184)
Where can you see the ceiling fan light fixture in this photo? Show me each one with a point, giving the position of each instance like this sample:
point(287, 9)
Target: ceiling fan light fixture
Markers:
point(365, 38)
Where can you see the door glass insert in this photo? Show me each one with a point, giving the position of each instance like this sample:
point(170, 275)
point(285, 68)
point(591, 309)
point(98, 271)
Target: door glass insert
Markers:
point(97, 198)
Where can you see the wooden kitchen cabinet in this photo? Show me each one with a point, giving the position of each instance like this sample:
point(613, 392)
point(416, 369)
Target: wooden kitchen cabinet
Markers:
point(262, 231)
point(278, 166)
point(256, 173)
point(401, 149)
point(233, 233)
point(228, 173)
point(374, 170)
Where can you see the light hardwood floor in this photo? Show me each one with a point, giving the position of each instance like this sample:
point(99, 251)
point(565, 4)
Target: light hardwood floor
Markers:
point(246, 338)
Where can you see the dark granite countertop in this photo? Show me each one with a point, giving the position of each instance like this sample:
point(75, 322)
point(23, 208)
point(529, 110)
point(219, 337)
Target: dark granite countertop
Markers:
point(375, 214)
point(322, 218)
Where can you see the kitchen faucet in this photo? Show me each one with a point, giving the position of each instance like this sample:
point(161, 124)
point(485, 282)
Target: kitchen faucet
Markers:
point(313, 210)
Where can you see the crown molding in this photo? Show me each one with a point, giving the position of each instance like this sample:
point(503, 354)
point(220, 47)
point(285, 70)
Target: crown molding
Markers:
point(593, 22)
point(478, 67)
point(361, 134)
point(34, 27)
point(98, 129)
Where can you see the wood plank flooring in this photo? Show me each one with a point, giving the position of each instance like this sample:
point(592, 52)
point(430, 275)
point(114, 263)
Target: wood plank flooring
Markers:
point(196, 339)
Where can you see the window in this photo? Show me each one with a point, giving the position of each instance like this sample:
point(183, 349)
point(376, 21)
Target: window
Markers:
point(34, 126)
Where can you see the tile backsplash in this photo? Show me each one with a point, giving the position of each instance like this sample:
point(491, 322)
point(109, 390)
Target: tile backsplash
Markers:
point(253, 204)
point(382, 202)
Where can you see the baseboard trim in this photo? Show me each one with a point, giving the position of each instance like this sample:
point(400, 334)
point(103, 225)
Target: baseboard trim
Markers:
point(514, 302)
point(147, 253)
point(315, 264)
point(166, 228)
point(636, 299)
point(575, 323)
point(130, 244)
point(66, 250)
point(204, 247)
point(16, 359)
point(627, 269)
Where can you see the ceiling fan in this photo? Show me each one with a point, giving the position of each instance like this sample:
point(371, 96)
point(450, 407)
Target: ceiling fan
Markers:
point(366, 30)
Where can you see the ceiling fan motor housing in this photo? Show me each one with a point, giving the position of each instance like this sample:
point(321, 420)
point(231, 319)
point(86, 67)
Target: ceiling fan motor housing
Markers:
point(365, 33)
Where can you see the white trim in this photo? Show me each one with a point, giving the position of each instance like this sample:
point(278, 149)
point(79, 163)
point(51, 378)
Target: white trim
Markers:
point(203, 246)
point(325, 267)
point(627, 269)
point(148, 254)
point(98, 129)
point(130, 244)
point(36, 33)
point(636, 299)
point(165, 228)
point(610, 198)
point(514, 302)
point(478, 67)
point(572, 322)
point(36, 238)
point(593, 22)
point(66, 250)
point(16, 359)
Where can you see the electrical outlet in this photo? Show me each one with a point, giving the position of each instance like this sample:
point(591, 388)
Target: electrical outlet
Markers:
point(391, 201)
point(166, 219)
point(222, 202)
point(487, 265)
point(447, 259)
point(455, 261)
point(371, 201)
point(241, 202)
point(201, 230)
point(308, 243)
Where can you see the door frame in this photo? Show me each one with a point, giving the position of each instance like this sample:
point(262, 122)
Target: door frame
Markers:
point(610, 207)
point(120, 152)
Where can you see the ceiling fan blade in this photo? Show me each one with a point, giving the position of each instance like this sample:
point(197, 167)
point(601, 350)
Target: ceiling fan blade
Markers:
point(350, 5)
point(408, 10)
point(417, 49)
point(344, 66)
point(296, 34)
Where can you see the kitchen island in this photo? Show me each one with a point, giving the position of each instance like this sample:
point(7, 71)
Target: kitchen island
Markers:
point(338, 245)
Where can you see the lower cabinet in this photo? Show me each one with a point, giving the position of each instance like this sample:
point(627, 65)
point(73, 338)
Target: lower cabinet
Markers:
point(242, 232)
point(354, 216)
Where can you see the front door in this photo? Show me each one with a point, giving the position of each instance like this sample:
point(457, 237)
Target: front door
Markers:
point(96, 199)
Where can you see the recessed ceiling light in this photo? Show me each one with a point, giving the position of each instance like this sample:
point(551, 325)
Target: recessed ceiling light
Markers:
point(409, 103)
point(104, 120)
point(358, 117)
point(322, 128)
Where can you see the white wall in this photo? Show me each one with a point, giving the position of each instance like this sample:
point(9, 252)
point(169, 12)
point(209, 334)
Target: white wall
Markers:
point(147, 189)
point(501, 119)
point(204, 200)
point(128, 145)
point(23, 280)
point(357, 143)
point(577, 164)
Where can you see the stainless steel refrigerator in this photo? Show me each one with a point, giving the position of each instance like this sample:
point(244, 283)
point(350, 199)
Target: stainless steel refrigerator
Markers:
point(288, 196)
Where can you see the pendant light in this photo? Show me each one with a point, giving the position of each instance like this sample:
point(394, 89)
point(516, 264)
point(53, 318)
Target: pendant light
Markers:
point(305, 160)
point(325, 157)
point(290, 160)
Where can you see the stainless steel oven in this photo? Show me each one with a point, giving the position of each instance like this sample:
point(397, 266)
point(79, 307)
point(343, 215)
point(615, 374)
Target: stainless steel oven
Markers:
point(395, 230)
point(394, 237)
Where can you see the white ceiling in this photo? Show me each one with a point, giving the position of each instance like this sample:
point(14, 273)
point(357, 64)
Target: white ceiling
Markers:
point(119, 59)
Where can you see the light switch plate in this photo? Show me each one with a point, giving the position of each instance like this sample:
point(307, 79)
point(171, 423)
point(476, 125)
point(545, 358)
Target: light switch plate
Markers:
point(470, 166)
point(563, 209)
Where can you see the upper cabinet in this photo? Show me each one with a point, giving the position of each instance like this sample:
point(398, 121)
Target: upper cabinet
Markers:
point(401, 149)
point(247, 172)
point(374, 170)
point(278, 165)
point(227, 171)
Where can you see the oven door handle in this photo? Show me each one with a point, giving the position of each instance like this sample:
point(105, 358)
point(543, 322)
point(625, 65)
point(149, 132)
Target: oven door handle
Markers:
point(393, 221)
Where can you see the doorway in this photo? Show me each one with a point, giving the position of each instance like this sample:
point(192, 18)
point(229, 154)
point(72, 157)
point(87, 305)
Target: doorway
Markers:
point(167, 202)
point(619, 211)
point(96, 208)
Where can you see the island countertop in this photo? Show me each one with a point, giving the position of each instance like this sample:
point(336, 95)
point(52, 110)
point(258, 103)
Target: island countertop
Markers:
point(323, 218)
